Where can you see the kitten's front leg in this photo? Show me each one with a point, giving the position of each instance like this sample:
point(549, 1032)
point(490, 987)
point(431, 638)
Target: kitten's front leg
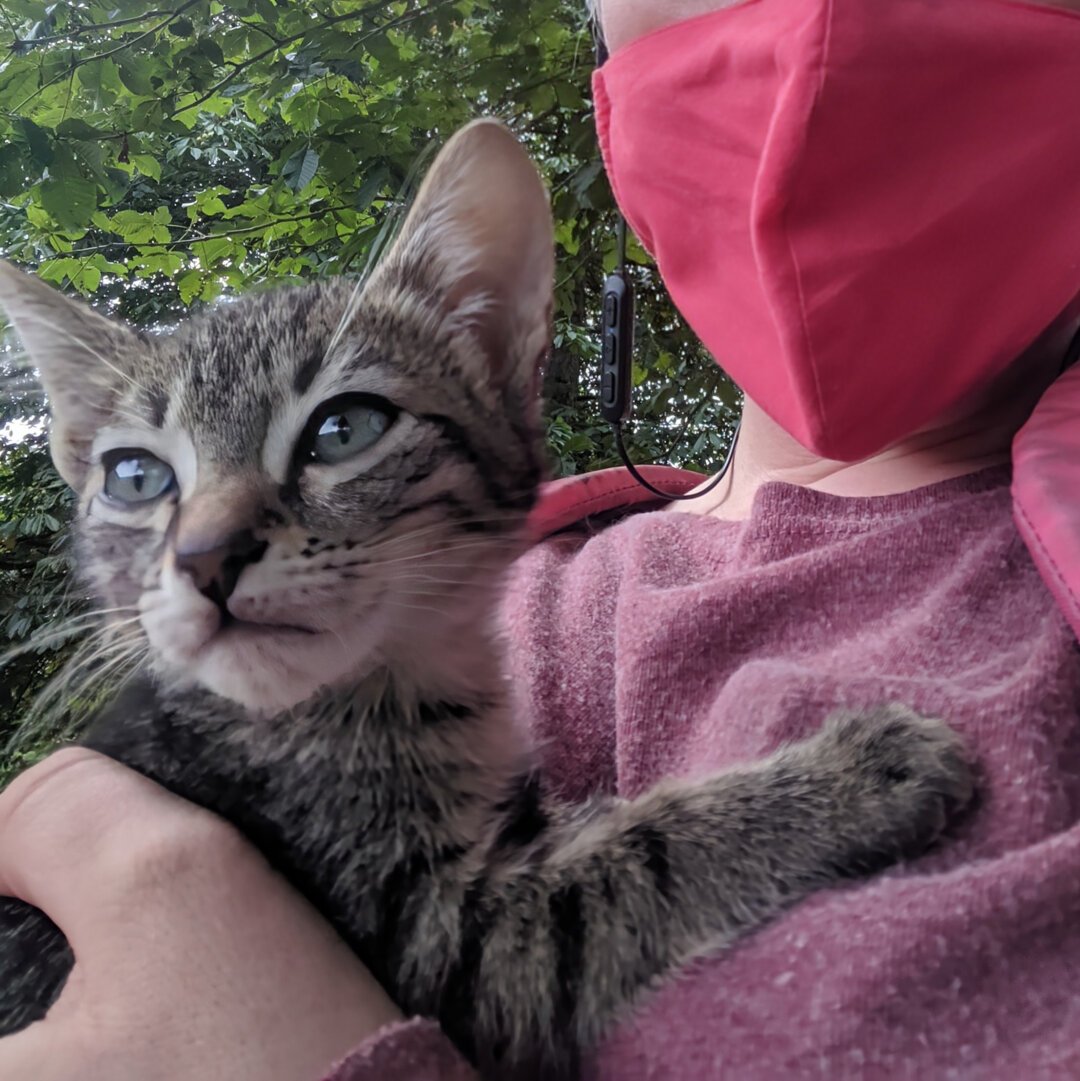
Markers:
point(555, 948)
point(896, 778)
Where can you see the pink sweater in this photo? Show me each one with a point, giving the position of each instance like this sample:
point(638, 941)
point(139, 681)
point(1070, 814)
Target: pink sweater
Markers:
point(672, 644)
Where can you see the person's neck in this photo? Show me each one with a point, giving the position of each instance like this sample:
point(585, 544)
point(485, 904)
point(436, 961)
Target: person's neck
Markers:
point(973, 438)
point(766, 453)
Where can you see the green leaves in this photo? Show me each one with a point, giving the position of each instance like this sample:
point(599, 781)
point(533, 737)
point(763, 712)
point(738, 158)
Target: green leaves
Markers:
point(70, 201)
point(35, 575)
point(138, 227)
point(36, 141)
point(12, 170)
point(299, 169)
point(82, 273)
point(190, 285)
point(276, 135)
point(228, 145)
point(76, 128)
point(147, 164)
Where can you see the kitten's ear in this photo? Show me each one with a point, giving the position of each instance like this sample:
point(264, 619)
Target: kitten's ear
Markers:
point(480, 236)
point(82, 357)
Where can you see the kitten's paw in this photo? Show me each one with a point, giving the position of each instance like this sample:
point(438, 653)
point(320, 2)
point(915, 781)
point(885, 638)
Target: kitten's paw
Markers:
point(901, 774)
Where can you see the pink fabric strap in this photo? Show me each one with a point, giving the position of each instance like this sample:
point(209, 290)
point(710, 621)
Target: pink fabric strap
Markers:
point(1046, 490)
point(567, 501)
point(414, 1050)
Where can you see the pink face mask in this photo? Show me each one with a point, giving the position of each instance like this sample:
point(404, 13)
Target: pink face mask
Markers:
point(866, 209)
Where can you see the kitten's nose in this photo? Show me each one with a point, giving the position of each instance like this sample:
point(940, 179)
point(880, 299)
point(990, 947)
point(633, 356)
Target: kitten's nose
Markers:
point(216, 570)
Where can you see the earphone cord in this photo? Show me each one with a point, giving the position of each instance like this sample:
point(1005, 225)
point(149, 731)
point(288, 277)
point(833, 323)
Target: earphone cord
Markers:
point(617, 428)
point(616, 425)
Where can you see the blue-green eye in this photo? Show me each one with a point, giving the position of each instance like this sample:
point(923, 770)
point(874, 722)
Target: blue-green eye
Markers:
point(344, 426)
point(135, 476)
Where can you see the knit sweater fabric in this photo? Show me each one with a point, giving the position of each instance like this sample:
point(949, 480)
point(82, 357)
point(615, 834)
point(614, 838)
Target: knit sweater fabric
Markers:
point(670, 644)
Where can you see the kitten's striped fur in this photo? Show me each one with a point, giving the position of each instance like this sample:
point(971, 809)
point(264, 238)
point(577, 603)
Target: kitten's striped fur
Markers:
point(401, 798)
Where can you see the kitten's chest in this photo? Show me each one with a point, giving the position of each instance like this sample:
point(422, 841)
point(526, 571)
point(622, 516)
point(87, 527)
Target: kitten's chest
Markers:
point(347, 806)
point(307, 803)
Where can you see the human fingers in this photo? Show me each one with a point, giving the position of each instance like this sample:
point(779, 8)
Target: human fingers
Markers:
point(76, 826)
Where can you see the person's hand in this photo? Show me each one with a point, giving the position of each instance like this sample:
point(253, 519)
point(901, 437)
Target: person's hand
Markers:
point(194, 960)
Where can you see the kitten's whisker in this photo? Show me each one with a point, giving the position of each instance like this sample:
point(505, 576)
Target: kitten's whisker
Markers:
point(88, 618)
point(433, 555)
point(51, 712)
point(450, 543)
point(120, 658)
point(408, 573)
point(433, 580)
point(351, 306)
point(94, 666)
point(417, 607)
point(107, 611)
point(66, 708)
point(386, 233)
point(48, 633)
point(44, 641)
point(453, 544)
point(440, 527)
point(96, 652)
point(93, 613)
point(135, 418)
point(36, 646)
point(458, 556)
point(105, 636)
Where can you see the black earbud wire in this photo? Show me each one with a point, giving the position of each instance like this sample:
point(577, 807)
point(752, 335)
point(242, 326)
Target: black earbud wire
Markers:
point(617, 369)
point(620, 447)
point(617, 346)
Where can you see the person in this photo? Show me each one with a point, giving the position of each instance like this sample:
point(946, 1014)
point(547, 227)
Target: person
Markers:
point(874, 229)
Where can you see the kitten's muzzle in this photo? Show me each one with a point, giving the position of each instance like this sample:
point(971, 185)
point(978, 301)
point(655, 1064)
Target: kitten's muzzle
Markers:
point(215, 570)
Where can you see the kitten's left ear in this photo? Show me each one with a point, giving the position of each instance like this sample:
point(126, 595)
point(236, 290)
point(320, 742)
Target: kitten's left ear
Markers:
point(82, 357)
point(479, 238)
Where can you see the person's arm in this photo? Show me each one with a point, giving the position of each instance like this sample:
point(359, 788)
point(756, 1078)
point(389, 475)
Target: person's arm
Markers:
point(194, 959)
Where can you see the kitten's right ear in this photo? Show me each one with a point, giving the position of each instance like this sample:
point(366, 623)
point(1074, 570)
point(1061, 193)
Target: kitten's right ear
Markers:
point(82, 357)
point(479, 241)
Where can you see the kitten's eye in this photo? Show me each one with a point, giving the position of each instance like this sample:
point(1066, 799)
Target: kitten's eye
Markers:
point(344, 426)
point(135, 476)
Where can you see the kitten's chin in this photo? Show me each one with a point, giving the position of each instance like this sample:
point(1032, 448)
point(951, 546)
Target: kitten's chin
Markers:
point(266, 668)
point(270, 669)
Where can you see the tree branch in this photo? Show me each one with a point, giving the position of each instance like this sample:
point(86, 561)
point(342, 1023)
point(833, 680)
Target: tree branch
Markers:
point(83, 60)
point(333, 20)
point(188, 241)
point(24, 44)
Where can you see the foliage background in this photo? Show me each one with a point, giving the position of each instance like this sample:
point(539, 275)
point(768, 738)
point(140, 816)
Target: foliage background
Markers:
point(153, 158)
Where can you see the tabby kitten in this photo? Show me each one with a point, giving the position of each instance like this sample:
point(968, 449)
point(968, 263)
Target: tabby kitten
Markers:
point(309, 503)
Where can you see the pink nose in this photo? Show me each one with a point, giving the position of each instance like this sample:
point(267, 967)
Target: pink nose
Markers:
point(215, 570)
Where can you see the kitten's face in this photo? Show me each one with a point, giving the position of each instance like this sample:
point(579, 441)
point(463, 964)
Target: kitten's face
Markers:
point(303, 514)
point(296, 488)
